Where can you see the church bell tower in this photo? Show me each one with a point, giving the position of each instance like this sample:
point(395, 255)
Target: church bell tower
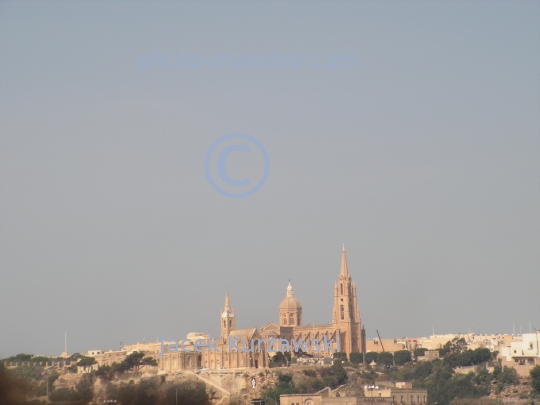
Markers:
point(228, 321)
point(346, 316)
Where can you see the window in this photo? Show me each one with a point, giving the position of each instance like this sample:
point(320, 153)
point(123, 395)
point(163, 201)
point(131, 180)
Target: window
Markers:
point(291, 319)
point(284, 319)
point(342, 313)
point(341, 288)
point(230, 323)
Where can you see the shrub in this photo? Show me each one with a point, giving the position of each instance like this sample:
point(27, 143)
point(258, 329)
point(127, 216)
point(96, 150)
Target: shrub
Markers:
point(535, 378)
point(420, 351)
point(402, 356)
point(310, 373)
point(385, 358)
point(371, 356)
point(340, 355)
point(356, 358)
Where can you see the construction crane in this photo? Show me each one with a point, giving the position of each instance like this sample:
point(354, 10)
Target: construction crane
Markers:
point(380, 340)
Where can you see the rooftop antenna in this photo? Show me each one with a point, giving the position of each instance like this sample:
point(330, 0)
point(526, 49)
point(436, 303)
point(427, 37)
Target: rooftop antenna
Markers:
point(530, 330)
point(520, 330)
point(514, 328)
point(65, 341)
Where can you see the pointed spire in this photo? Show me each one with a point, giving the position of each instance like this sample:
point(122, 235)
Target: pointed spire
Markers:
point(227, 302)
point(344, 269)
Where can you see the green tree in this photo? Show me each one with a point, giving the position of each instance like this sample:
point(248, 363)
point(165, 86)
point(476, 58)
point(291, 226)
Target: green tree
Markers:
point(285, 385)
point(339, 372)
point(481, 355)
point(19, 358)
point(465, 358)
point(356, 357)
point(40, 359)
point(52, 377)
point(535, 378)
point(385, 358)
point(84, 390)
point(419, 351)
point(371, 356)
point(279, 360)
point(402, 356)
point(106, 372)
point(505, 377)
point(340, 355)
point(135, 361)
point(86, 363)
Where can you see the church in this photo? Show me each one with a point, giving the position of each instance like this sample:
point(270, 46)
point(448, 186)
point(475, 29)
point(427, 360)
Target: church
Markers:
point(345, 325)
point(345, 328)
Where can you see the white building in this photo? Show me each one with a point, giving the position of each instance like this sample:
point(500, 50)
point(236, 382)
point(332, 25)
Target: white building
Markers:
point(522, 355)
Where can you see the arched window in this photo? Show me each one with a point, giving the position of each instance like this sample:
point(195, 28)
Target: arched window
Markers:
point(284, 319)
point(291, 319)
point(341, 288)
point(230, 323)
point(342, 312)
point(224, 323)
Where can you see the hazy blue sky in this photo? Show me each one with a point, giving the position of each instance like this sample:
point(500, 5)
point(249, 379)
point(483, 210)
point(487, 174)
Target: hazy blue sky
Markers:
point(424, 159)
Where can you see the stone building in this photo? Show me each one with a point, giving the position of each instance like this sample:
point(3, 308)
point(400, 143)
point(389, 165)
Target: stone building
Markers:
point(401, 394)
point(252, 348)
point(196, 351)
point(345, 325)
point(523, 355)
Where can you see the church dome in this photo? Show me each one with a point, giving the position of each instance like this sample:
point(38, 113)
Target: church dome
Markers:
point(289, 302)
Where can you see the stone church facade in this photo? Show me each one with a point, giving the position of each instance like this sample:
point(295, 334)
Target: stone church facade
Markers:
point(256, 346)
point(346, 324)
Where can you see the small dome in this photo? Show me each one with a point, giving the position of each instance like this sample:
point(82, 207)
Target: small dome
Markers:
point(290, 303)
